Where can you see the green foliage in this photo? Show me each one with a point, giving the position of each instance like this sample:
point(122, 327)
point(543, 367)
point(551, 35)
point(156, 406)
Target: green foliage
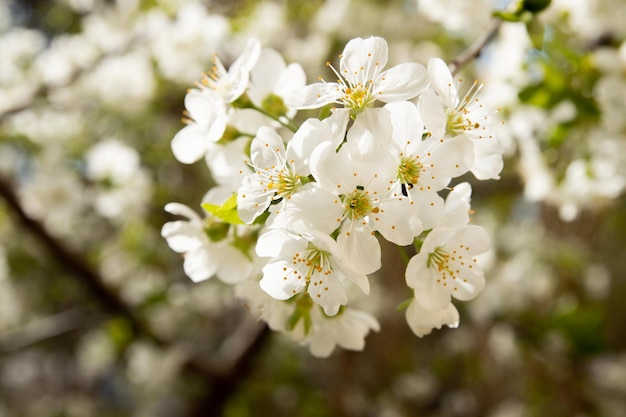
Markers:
point(227, 212)
point(120, 332)
point(582, 328)
point(302, 313)
point(524, 11)
point(535, 6)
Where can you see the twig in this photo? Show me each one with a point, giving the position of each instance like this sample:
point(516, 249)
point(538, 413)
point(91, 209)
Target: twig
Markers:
point(476, 48)
point(43, 329)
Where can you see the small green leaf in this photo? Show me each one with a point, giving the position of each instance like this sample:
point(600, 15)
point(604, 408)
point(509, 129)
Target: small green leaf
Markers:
point(404, 305)
point(535, 6)
point(507, 17)
point(227, 212)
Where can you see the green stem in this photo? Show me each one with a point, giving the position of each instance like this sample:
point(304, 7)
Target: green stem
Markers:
point(289, 124)
point(403, 255)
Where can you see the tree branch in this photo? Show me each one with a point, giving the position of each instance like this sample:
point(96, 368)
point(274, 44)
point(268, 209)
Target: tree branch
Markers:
point(476, 48)
point(223, 376)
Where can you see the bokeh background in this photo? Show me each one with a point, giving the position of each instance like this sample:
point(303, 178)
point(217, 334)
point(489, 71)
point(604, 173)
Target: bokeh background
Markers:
point(98, 319)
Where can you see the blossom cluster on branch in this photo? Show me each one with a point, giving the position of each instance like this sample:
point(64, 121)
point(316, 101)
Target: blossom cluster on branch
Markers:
point(295, 217)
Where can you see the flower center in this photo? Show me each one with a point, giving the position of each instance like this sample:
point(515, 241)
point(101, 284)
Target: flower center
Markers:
point(357, 89)
point(440, 259)
point(409, 170)
point(357, 99)
point(313, 260)
point(283, 182)
point(458, 118)
point(357, 204)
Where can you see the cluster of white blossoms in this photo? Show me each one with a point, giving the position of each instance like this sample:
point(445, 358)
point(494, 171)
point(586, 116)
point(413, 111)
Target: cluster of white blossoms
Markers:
point(295, 219)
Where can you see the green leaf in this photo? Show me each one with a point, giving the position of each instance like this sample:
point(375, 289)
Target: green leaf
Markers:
point(227, 212)
point(404, 305)
point(535, 6)
point(507, 17)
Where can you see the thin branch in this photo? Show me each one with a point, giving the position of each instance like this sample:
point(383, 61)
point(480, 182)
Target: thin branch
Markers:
point(476, 48)
point(44, 329)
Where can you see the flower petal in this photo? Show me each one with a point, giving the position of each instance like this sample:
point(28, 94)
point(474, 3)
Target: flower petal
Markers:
point(280, 280)
point(402, 82)
point(363, 59)
point(434, 114)
point(314, 96)
point(369, 136)
point(360, 248)
point(441, 80)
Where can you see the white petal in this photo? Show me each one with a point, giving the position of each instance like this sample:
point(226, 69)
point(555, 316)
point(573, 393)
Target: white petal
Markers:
point(422, 321)
point(310, 134)
point(281, 281)
point(488, 161)
point(313, 208)
point(429, 293)
point(327, 292)
point(182, 210)
point(361, 250)
point(253, 198)
point(363, 59)
point(442, 82)
point(369, 136)
point(430, 207)
point(293, 77)
point(354, 326)
point(264, 75)
point(279, 244)
point(233, 266)
point(267, 149)
point(314, 96)
point(182, 236)
point(402, 82)
point(470, 282)
point(227, 162)
point(200, 264)
point(433, 113)
point(407, 125)
point(360, 280)
point(191, 143)
point(203, 106)
point(457, 206)
point(333, 170)
point(397, 221)
point(473, 238)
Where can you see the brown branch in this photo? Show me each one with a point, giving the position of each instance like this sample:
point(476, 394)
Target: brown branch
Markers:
point(107, 297)
point(225, 385)
point(475, 49)
point(222, 376)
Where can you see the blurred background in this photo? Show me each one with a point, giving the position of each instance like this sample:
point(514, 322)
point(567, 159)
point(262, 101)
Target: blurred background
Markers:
point(98, 319)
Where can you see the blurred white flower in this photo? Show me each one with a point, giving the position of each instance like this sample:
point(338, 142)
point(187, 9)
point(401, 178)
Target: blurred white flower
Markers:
point(112, 160)
point(458, 16)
